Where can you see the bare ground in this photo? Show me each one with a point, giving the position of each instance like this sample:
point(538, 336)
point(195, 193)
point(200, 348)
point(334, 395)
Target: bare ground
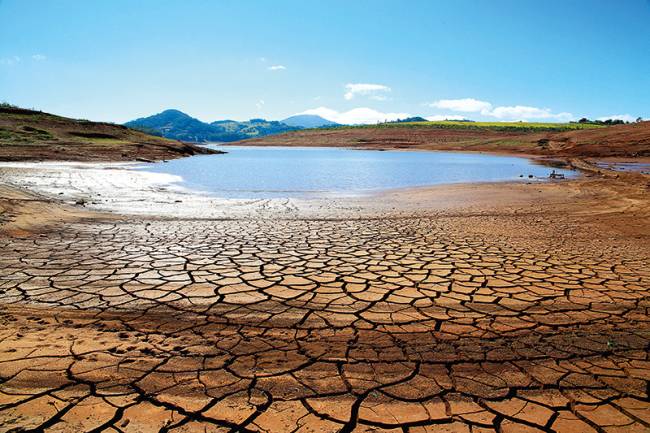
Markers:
point(493, 307)
point(27, 135)
point(466, 308)
point(631, 140)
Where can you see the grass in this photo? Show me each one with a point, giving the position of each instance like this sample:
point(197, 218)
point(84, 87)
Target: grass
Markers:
point(40, 133)
point(495, 126)
point(5, 134)
point(104, 141)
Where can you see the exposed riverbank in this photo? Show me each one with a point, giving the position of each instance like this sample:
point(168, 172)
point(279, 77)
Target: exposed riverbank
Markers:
point(281, 187)
point(487, 307)
point(132, 304)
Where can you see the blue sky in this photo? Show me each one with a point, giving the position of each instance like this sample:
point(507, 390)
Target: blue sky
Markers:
point(355, 61)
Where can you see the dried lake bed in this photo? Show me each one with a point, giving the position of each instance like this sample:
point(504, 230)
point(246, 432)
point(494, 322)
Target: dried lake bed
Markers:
point(484, 307)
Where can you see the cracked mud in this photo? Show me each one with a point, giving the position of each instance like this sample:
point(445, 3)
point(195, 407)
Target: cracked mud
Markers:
point(442, 324)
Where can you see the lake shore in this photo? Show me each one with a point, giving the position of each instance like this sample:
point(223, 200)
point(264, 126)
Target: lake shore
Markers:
point(112, 190)
point(486, 306)
point(137, 189)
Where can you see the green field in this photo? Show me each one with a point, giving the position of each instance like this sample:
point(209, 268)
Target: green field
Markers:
point(495, 126)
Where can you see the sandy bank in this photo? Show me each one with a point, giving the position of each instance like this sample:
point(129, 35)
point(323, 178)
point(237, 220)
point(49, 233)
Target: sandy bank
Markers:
point(114, 189)
point(122, 188)
point(444, 306)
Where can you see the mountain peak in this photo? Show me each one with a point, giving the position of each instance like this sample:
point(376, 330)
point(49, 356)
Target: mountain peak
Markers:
point(175, 124)
point(308, 121)
point(174, 111)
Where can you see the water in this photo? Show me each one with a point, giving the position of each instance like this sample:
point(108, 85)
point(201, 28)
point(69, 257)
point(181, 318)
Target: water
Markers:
point(641, 167)
point(269, 172)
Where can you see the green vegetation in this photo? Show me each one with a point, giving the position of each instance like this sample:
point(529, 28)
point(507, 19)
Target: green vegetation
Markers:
point(253, 128)
point(6, 134)
point(607, 122)
point(21, 126)
point(41, 134)
point(150, 131)
point(29, 134)
point(24, 133)
point(178, 125)
point(410, 120)
point(494, 126)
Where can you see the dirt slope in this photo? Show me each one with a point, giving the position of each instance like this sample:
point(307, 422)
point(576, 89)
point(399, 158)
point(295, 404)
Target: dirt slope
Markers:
point(34, 135)
point(623, 140)
point(631, 140)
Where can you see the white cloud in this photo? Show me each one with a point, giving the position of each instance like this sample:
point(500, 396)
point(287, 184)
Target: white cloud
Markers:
point(14, 60)
point(374, 91)
point(10, 61)
point(361, 115)
point(522, 112)
point(259, 104)
point(277, 68)
point(467, 105)
point(438, 118)
point(515, 112)
point(623, 117)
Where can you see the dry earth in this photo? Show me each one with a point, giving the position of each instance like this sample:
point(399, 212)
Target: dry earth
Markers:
point(28, 135)
point(523, 310)
point(480, 308)
point(631, 140)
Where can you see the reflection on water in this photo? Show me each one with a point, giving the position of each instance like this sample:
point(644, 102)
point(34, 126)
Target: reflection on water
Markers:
point(266, 172)
point(641, 167)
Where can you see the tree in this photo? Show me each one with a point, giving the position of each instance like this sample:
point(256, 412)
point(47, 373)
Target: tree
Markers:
point(583, 120)
point(639, 119)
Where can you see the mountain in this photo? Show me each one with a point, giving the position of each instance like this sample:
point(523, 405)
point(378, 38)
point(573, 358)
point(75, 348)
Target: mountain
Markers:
point(35, 135)
point(409, 120)
point(178, 125)
point(308, 121)
point(254, 128)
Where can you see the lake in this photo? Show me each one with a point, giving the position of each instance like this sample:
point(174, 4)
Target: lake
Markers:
point(271, 172)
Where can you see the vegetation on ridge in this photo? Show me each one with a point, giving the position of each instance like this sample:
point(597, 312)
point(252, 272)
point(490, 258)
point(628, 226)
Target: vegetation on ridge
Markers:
point(35, 135)
point(494, 126)
point(177, 125)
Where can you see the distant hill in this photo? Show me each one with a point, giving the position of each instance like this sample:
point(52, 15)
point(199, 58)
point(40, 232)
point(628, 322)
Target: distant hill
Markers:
point(35, 135)
point(254, 127)
point(409, 119)
point(178, 125)
point(308, 121)
point(545, 139)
